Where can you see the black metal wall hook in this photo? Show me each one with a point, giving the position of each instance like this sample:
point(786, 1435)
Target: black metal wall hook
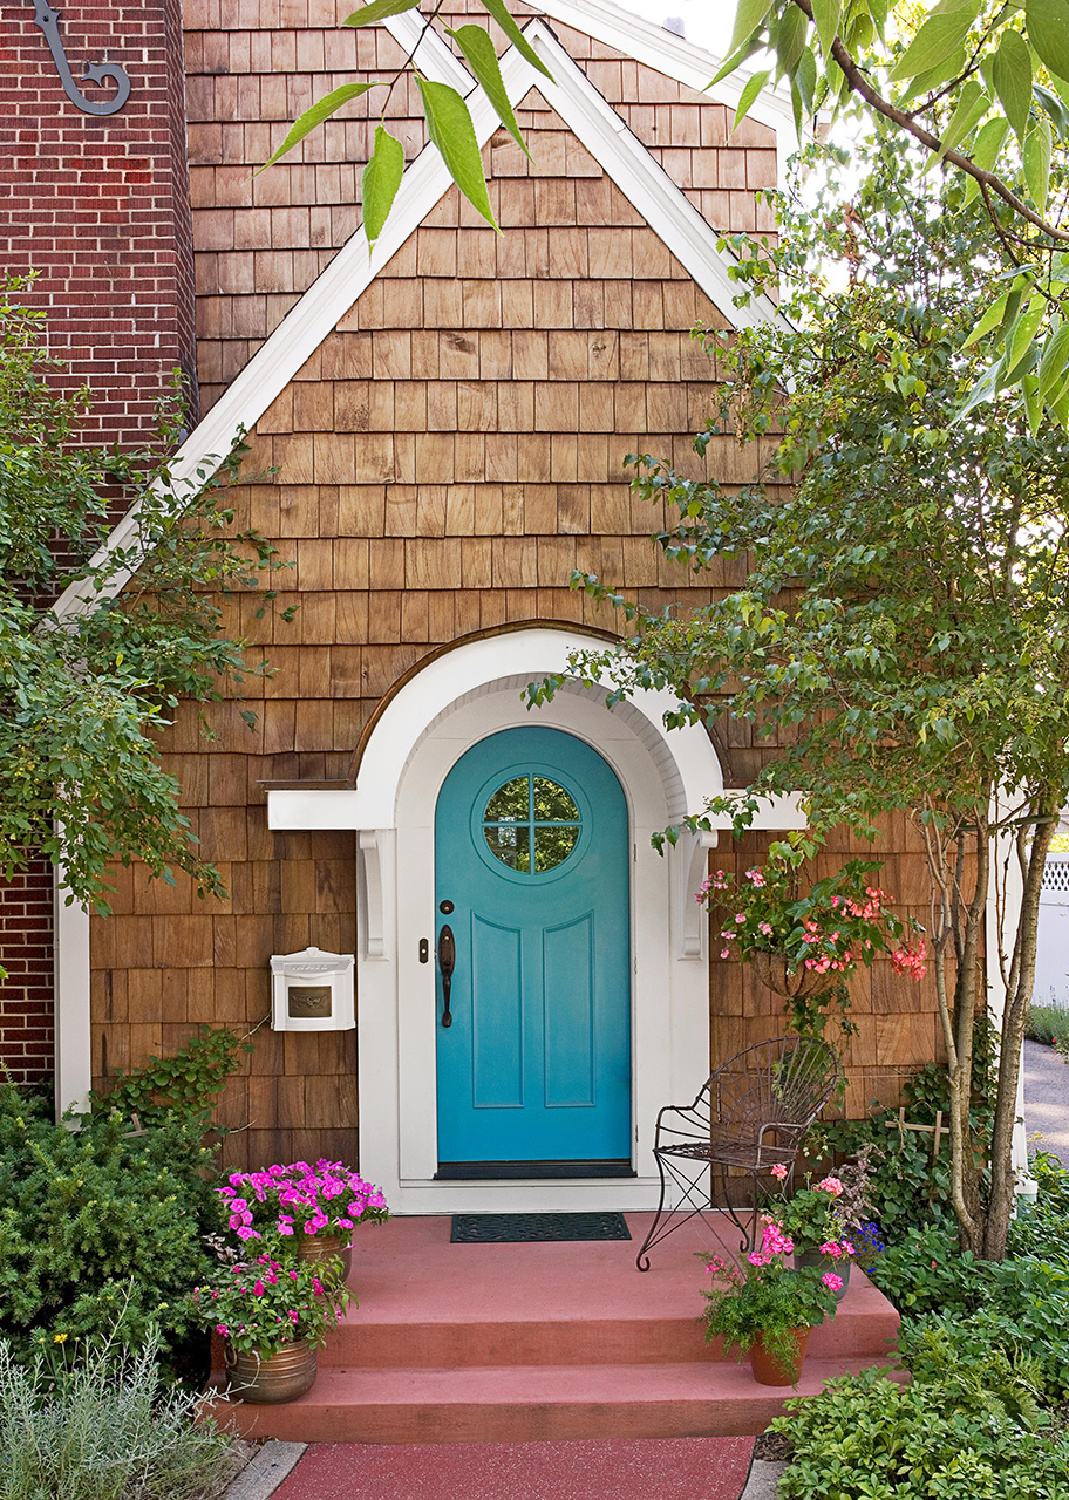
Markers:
point(48, 20)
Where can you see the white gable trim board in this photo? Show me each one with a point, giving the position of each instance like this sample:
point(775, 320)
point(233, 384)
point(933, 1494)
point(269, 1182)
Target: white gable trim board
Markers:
point(653, 194)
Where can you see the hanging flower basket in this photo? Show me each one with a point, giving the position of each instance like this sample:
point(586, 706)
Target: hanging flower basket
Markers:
point(773, 972)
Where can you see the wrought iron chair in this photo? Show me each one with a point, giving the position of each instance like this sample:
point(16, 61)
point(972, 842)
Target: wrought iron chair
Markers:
point(750, 1116)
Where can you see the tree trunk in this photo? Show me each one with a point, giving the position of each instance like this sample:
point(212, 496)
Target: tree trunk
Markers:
point(1018, 998)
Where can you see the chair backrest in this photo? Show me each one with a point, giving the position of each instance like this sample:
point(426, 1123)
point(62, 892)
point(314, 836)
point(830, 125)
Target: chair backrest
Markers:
point(785, 1081)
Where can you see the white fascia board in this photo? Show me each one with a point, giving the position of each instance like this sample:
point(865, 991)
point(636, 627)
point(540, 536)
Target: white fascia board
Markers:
point(428, 51)
point(300, 334)
point(644, 182)
point(676, 58)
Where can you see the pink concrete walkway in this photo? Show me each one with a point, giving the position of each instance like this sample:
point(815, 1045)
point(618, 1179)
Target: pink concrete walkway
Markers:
point(592, 1469)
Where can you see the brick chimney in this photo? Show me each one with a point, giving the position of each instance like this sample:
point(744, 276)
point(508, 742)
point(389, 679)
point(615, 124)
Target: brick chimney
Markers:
point(98, 204)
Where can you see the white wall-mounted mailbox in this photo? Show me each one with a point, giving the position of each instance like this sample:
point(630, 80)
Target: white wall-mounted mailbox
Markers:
point(312, 991)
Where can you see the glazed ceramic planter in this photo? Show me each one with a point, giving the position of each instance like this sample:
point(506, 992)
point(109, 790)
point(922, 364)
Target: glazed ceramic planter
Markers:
point(767, 1370)
point(270, 1382)
point(825, 1263)
point(325, 1247)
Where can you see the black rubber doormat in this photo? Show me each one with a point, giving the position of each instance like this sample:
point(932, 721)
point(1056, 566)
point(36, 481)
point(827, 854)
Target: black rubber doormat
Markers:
point(515, 1229)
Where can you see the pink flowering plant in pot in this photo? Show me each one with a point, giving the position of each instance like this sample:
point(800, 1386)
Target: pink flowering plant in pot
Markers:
point(259, 1306)
point(807, 943)
point(764, 1299)
point(301, 1200)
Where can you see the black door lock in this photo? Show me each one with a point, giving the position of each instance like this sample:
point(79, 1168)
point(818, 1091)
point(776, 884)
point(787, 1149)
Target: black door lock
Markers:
point(424, 951)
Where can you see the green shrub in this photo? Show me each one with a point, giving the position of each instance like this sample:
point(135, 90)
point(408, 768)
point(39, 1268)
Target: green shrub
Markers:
point(97, 1224)
point(975, 1438)
point(101, 1428)
point(1048, 1024)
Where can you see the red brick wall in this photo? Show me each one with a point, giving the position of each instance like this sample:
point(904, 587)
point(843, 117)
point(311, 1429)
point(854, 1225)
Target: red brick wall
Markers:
point(27, 1034)
point(99, 205)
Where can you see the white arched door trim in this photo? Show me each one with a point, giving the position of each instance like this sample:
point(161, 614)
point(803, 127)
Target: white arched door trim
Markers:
point(458, 698)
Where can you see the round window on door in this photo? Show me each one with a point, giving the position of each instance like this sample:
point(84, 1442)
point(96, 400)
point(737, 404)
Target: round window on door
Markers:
point(531, 824)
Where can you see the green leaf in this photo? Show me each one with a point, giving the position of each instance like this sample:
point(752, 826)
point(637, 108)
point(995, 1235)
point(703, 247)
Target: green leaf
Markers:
point(927, 83)
point(1036, 158)
point(735, 60)
point(991, 319)
point(1055, 107)
point(380, 180)
point(1053, 364)
point(450, 129)
point(940, 35)
point(1033, 406)
point(1020, 338)
point(500, 13)
point(379, 10)
point(754, 84)
point(805, 75)
point(320, 111)
point(985, 389)
point(985, 151)
point(1048, 31)
point(972, 104)
point(748, 16)
point(1013, 80)
point(878, 11)
point(477, 47)
point(826, 15)
point(789, 39)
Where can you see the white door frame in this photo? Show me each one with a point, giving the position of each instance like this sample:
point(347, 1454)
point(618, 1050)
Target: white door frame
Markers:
point(457, 699)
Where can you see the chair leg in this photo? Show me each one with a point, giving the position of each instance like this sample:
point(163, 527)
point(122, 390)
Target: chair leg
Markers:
point(651, 1236)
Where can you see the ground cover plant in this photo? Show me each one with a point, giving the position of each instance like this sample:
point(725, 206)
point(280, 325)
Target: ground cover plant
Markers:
point(100, 1425)
point(1048, 1024)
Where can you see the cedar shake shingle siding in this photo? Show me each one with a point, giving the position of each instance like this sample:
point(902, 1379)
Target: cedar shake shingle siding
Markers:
point(452, 451)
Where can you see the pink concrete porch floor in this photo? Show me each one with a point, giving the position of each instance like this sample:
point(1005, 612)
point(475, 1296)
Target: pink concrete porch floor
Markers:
point(610, 1469)
point(462, 1344)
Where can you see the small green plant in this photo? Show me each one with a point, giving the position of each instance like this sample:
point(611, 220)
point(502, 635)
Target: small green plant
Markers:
point(262, 1305)
point(185, 1085)
point(1048, 1024)
point(974, 1435)
point(98, 1425)
point(767, 1298)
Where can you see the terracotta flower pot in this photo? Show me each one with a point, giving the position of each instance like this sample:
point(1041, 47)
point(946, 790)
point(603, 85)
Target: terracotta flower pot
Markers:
point(323, 1247)
point(771, 970)
point(825, 1262)
point(767, 1370)
point(269, 1382)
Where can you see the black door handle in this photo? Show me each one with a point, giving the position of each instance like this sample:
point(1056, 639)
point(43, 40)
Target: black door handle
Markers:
point(447, 962)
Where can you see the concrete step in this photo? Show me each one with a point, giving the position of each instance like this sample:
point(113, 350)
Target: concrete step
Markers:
point(865, 1325)
point(527, 1403)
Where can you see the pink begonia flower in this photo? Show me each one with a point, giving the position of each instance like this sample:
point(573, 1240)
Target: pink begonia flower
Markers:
point(779, 1171)
point(258, 1289)
point(725, 953)
point(740, 916)
point(831, 1185)
point(220, 1328)
point(832, 1282)
point(766, 928)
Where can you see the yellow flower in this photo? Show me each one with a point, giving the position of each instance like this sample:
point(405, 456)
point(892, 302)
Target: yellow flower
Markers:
point(61, 1338)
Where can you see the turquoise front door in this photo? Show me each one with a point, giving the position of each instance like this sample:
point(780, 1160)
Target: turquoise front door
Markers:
point(531, 879)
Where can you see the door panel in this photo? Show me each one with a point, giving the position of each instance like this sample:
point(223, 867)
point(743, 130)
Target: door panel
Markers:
point(497, 1017)
point(569, 979)
point(531, 864)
